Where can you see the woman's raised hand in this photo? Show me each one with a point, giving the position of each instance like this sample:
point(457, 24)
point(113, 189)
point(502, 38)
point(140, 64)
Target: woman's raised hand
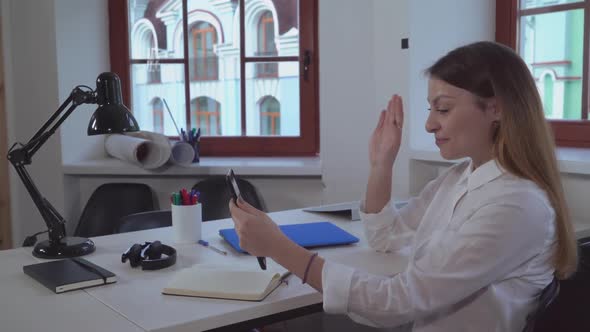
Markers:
point(257, 232)
point(386, 138)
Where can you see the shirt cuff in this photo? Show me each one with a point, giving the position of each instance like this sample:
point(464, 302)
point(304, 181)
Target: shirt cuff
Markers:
point(336, 281)
point(386, 212)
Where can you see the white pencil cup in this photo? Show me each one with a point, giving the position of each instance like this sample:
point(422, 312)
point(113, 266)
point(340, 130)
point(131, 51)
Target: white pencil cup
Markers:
point(186, 223)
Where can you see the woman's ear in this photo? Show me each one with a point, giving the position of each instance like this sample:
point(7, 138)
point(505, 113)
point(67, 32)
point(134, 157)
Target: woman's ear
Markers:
point(492, 107)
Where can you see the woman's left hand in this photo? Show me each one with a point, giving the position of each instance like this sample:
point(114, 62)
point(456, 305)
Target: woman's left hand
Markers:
point(257, 232)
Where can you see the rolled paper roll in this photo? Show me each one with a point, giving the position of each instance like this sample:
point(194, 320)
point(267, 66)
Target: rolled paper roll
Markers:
point(182, 154)
point(139, 150)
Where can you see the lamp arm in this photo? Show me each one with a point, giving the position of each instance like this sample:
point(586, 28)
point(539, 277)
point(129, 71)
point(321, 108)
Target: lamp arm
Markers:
point(54, 221)
point(20, 155)
point(76, 98)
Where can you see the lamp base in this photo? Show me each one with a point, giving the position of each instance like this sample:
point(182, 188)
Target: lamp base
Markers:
point(67, 247)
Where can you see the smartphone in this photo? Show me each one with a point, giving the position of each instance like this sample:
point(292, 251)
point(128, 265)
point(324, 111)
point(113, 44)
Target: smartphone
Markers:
point(233, 185)
point(235, 193)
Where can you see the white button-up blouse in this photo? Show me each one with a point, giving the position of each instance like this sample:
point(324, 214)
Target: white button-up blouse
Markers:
point(480, 242)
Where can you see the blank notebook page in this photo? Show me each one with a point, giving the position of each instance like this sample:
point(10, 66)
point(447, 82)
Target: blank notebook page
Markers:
point(223, 281)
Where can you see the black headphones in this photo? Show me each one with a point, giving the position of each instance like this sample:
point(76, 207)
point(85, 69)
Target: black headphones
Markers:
point(149, 255)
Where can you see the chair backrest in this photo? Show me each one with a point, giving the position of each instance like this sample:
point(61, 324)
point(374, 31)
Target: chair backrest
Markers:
point(108, 203)
point(548, 295)
point(569, 311)
point(215, 196)
point(145, 220)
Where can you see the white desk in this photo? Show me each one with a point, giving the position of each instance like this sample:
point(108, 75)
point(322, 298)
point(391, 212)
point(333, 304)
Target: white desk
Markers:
point(26, 305)
point(135, 302)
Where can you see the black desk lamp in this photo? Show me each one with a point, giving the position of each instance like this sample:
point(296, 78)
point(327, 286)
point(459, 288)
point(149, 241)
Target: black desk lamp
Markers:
point(110, 117)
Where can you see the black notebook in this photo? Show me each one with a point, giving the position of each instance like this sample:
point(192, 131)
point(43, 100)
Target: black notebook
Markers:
point(69, 274)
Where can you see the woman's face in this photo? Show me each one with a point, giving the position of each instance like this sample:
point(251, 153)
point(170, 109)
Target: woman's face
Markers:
point(462, 127)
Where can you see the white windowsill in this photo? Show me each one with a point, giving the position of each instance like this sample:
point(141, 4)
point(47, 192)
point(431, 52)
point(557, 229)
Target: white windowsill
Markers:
point(246, 166)
point(571, 160)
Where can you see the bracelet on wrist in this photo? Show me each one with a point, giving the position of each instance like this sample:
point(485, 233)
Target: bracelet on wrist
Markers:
point(304, 280)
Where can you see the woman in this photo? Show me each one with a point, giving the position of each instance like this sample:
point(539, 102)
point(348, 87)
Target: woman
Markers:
point(485, 237)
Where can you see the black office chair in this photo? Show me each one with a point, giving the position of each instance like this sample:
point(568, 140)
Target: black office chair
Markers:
point(145, 220)
point(215, 196)
point(569, 310)
point(111, 201)
point(548, 295)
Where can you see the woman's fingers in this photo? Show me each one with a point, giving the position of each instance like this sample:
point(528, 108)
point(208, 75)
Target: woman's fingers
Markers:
point(238, 214)
point(398, 110)
point(248, 208)
point(381, 119)
point(390, 106)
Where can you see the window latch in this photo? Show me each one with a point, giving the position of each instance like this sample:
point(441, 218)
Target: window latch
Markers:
point(306, 63)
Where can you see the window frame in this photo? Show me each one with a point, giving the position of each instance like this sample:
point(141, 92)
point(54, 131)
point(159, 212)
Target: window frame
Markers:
point(307, 144)
point(570, 133)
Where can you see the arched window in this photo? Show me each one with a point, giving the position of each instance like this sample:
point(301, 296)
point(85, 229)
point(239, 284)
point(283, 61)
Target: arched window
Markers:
point(206, 114)
point(158, 115)
point(266, 46)
point(270, 117)
point(203, 61)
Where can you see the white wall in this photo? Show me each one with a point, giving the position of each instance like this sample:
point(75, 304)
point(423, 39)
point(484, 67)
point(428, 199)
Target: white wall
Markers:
point(82, 54)
point(32, 97)
point(433, 33)
point(361, 66)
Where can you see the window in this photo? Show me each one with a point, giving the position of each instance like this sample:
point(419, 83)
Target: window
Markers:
point(205, 115)
point(266, 46)
point(270, 116)
point(153, 69)
point(551, 37)
point(203, 61)
point(158, 115)
point(244, 71)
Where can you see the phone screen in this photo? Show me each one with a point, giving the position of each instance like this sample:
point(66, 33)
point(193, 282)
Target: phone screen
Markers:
point(233, 184)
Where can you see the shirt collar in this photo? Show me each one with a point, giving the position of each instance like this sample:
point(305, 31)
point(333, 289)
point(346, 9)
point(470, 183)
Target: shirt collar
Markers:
point(483, 174)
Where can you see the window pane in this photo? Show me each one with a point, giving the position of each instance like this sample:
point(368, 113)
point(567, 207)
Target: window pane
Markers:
point(206, 114)
point(552, 46)
point(272, 28)
point(203, 61)
point(155, 29)
point(272, 103)
point(147, 98)
point(526, 4)
point(215, 104)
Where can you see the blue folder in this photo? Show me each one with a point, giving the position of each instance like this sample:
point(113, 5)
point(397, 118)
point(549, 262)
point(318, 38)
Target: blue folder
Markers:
point(316, 234)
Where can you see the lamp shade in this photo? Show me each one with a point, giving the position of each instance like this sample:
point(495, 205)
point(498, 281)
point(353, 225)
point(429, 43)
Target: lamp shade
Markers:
point(111, 116)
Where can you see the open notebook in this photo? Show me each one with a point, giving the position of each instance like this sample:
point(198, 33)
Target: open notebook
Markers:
point(224, 282)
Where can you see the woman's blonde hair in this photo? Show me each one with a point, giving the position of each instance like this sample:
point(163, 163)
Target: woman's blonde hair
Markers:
point(523, 141)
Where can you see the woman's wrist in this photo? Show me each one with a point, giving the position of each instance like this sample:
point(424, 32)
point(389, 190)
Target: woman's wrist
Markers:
point(381, 168)
point(280, 245)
